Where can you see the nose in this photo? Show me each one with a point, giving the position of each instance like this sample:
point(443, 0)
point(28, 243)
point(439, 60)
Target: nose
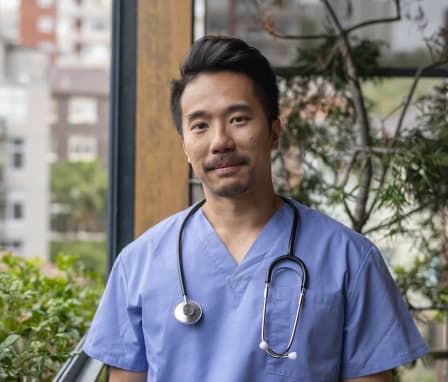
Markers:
point(222, 140)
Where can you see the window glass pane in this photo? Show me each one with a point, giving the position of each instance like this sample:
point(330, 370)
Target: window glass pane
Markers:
point(82, 148)
point(53, 151)
point(47, 46)
point(404, 40)
point(82, 110)
point(17, 153)
point(45, 24)
point(17, 210)
point(54, 100)
point(45, 3)
point(13, 103)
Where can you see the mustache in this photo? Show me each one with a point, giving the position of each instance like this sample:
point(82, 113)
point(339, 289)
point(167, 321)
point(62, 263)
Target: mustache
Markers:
point(225, 160)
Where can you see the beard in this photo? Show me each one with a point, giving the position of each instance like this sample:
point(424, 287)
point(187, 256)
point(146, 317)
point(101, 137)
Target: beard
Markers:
point(230, 190)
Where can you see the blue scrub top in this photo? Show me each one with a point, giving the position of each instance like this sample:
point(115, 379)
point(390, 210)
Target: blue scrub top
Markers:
point(354, 321)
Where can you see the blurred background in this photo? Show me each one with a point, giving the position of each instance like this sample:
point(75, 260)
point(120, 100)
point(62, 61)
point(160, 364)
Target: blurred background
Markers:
point(55, 123)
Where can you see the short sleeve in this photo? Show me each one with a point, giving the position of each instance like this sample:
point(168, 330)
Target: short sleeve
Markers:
point(115, 336)
point(379, 332)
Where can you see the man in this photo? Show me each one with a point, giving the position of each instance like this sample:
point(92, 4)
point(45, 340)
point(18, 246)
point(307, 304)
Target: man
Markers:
point(353, 325)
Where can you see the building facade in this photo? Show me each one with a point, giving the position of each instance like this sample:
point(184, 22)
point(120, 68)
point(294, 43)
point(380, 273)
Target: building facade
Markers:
point(79, 114)
point(24, 138)
point(73, 32)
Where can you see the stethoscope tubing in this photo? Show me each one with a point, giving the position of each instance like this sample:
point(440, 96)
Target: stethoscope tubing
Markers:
point(180, 266)
point(189, 312)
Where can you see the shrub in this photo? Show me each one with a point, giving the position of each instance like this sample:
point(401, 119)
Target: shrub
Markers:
point(91, 253)
point(44, 312)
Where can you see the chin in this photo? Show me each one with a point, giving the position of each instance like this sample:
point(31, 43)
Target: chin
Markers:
point(230, 190)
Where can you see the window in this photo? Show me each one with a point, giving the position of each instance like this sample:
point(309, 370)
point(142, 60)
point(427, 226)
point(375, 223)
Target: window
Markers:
point(13, 103)
point(46, 46)
point(14, 246)
point(45, 3)
point(17, 153)
point(45, 24)
point(15, 206)
point(2, 209)
point(95, 52)
point(82, 148)
point(17, 210)
point(82, 110)
point(405, 44)
point(99, 25)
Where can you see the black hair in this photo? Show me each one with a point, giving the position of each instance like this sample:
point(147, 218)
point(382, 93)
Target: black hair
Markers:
point(217, 53)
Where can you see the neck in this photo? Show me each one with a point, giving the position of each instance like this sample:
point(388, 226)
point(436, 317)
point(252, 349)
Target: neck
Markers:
point(244, 210)
point(239, 220)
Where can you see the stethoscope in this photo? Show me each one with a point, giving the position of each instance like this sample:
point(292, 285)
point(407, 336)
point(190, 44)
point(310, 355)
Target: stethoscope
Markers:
point(189, 312)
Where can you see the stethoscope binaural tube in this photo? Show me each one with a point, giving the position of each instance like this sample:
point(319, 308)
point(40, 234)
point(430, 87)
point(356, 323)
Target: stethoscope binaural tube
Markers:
point(189, 312)
point(264, 343)
point(289, 257)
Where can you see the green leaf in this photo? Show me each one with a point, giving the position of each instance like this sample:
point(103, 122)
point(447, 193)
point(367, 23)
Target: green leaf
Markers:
point(9, 341)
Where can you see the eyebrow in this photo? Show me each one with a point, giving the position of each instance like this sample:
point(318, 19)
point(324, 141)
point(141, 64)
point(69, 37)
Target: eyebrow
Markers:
point(195, 115)
point(238, 107)
point(203, 114)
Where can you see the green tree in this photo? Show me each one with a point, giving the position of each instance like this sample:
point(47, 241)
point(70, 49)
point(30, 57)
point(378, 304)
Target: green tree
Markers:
point(385, 176)
point(78, 196)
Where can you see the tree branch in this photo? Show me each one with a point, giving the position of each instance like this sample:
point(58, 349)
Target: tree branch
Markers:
point(361, 118)
point(348, 212)
point(408, 101)
point(269, 26)
point(349, 168)
point(396, 219)
point(378, 21)
point(384, 172)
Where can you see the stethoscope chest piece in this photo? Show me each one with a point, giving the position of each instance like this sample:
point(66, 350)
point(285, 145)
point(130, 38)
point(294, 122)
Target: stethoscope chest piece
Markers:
point(188, 312)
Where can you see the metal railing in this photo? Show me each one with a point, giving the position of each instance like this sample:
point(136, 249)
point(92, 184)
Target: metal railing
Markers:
point(79, 367)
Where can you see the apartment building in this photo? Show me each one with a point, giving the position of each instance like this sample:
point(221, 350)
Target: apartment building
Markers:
point(9, 20)
point(73, 32)
point(80, 114)
point(24, 137)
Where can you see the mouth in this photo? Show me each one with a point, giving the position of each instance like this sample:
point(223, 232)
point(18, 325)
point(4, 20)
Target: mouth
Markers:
point(223, 165)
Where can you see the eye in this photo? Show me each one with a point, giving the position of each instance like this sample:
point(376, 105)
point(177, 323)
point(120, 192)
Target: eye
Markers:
point(239, 120)
point(199, 126)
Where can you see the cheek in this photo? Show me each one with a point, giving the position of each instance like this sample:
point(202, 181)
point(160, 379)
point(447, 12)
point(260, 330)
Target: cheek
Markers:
point(193, 150)
point(196, 160)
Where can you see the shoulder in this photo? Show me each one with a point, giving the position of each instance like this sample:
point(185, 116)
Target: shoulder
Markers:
point(332, 248)
point(328, 228)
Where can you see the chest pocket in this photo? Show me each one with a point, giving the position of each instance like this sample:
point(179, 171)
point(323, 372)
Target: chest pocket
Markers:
point(318, 340)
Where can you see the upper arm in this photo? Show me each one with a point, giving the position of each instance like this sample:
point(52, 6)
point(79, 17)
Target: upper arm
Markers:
point(115, 336)
point(379, 332)
point(119, 375)
point(385, 376)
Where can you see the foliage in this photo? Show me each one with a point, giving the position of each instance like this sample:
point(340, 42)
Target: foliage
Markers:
point(383, 174)
point(44, 313)
point(92, 254)
point(78, 196)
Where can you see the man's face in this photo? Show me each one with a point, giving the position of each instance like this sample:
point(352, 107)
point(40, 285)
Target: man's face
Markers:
point(226, 136)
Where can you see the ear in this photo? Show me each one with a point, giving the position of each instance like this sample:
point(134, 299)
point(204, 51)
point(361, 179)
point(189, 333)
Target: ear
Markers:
point(183, 148)
point(276, 129)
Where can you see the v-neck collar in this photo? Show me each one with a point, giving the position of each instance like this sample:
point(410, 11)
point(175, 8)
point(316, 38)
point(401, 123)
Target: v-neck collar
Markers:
point(272, 231)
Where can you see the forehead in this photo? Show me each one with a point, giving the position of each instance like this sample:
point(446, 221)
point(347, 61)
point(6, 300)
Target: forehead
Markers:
point(212, 91)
